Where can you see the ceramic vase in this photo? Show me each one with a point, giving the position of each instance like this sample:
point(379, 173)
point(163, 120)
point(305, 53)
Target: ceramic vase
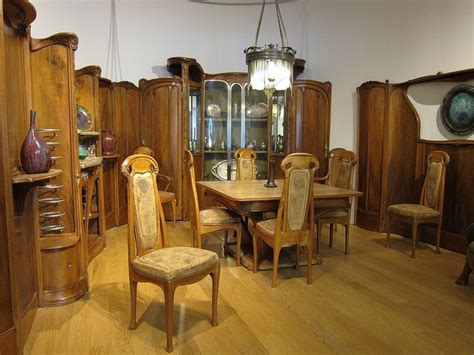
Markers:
point(34, 155)
point(109, 141)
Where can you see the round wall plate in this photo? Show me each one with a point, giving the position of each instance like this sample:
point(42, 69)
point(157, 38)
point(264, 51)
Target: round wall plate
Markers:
point(458, 110)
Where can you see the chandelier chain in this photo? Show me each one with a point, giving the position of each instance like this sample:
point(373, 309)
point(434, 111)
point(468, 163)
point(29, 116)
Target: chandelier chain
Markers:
point(281, 25)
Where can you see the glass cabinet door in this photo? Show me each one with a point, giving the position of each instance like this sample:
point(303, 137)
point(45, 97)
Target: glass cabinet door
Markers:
point(216, 133)
point(194, 133)
point(255, 126)
point(278, 123)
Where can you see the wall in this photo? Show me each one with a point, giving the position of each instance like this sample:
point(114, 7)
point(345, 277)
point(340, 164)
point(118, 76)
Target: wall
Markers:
point(343, 41)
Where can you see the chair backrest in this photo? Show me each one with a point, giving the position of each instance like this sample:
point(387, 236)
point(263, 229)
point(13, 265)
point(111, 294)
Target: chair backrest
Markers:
point(190, 181)
point(341, 168)
point(245, 158)
point(295, 216)
point(146, 221)
point(432, 194)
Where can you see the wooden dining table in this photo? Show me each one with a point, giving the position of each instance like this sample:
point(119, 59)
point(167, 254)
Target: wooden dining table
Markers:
point(250, 198)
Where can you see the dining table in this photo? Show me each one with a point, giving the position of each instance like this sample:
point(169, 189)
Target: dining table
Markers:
point(251, 198)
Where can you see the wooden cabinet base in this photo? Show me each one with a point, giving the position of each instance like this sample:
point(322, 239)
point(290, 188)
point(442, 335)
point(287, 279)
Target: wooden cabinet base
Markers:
point(8, 342)
point(66, 296)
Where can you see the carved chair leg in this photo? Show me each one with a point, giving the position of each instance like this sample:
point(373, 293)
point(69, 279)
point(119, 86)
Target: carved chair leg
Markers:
point(463, 279)
point(331, 234)
point(414, 237)
point(169, 307)
point(318, 236)
point(438, 238)
point(310, 265)
point(346, 251)
point(133, 305)
point(238, 232)
point(215, 292)
point(226, 242)
point(173, 206)
point(255, 252)
point(297, 266)
point(276, 257)
point(388, 223)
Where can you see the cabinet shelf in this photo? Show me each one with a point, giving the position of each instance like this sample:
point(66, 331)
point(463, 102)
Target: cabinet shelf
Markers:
point(88, 134)
point(30, 178)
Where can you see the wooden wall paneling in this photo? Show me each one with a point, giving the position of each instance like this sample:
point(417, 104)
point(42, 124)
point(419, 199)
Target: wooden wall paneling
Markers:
point(110, 168)
point(372, 106)
point(18, 295)
point(310, 120)
point(87, 95)
point(392, 162)
point(8, 289)
point(127, 111)
point(161, 124)
point(53, 93)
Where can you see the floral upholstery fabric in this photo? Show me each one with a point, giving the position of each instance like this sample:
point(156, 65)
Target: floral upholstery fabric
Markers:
point(267, 226)
point(166, 196)
point(171, 263)
point(146, 214)
point(415, 211)
point(298, 190)
point(246, 169)
point(433, 180)
point(343, 178)
point(218, 216)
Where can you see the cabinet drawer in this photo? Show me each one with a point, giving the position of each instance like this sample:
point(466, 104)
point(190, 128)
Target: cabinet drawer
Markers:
point(60, 268)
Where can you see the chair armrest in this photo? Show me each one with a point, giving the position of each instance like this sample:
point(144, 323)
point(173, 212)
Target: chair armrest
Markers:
point(167, 180)
point(321, 178)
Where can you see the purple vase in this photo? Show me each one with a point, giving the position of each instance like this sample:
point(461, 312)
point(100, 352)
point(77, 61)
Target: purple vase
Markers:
point(34, 155)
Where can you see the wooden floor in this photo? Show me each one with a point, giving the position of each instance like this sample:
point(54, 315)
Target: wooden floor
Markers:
point(374, 301)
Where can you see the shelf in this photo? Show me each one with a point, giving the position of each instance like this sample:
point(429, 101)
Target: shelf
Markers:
point(93, 215)
point(87, 134)
point(30, 178)
point(90, 162)
point(115, 156)
point(232, 152)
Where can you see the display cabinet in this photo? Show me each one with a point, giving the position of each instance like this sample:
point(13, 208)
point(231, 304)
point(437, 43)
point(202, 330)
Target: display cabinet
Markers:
point(90, 156)
point(235, 116)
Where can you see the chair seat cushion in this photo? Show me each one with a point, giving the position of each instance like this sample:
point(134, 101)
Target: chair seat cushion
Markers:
point(213, 216)
point(411, 210)
point(171, 263)
point(267, 226)
point(166, 196)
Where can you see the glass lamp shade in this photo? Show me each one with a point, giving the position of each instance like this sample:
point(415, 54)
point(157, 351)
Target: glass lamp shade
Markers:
point(270, 68)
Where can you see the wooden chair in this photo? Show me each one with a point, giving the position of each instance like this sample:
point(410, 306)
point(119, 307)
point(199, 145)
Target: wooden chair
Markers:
point(165, 195)
point(245, 158)
point(150, 259)
point(430, 208)
point(342, 163)
point(211, 219)
point(294, 223)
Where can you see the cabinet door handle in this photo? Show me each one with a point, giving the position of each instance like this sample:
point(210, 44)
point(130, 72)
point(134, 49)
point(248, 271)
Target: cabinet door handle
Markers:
point(69, 265)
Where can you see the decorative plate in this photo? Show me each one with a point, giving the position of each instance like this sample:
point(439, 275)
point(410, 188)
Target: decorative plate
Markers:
point(219, 170)
point(84, 119)
point(458, 110)
point(257, 111)
point(213, 111)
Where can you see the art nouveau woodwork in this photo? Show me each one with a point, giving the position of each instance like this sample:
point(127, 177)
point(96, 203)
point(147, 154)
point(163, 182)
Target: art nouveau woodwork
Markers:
point(110, 164)
point(127, 125)
point(310, 120)
point(61, 259)
point(87, 95)
point(161, 126)
point(392, 161)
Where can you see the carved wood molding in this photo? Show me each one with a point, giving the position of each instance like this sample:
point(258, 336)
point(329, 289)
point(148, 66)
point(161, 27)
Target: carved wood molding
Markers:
point(91, 69)
point(19, 15)
point(126, 84)
point(148, 85)
point(67, 39)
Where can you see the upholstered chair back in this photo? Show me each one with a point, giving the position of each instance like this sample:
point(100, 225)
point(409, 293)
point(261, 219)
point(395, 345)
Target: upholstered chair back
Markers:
point(296, 212)
point(432, 194)
point(334, 155)
point(192, 196)
point(245, 158)
point(146, 221)
point(344, 169)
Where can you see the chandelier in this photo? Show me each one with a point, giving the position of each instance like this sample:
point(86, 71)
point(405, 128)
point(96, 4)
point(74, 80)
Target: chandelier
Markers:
point(270, 67)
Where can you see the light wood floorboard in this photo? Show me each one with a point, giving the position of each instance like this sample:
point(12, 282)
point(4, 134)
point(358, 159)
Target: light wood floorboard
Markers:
point(374, 301)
